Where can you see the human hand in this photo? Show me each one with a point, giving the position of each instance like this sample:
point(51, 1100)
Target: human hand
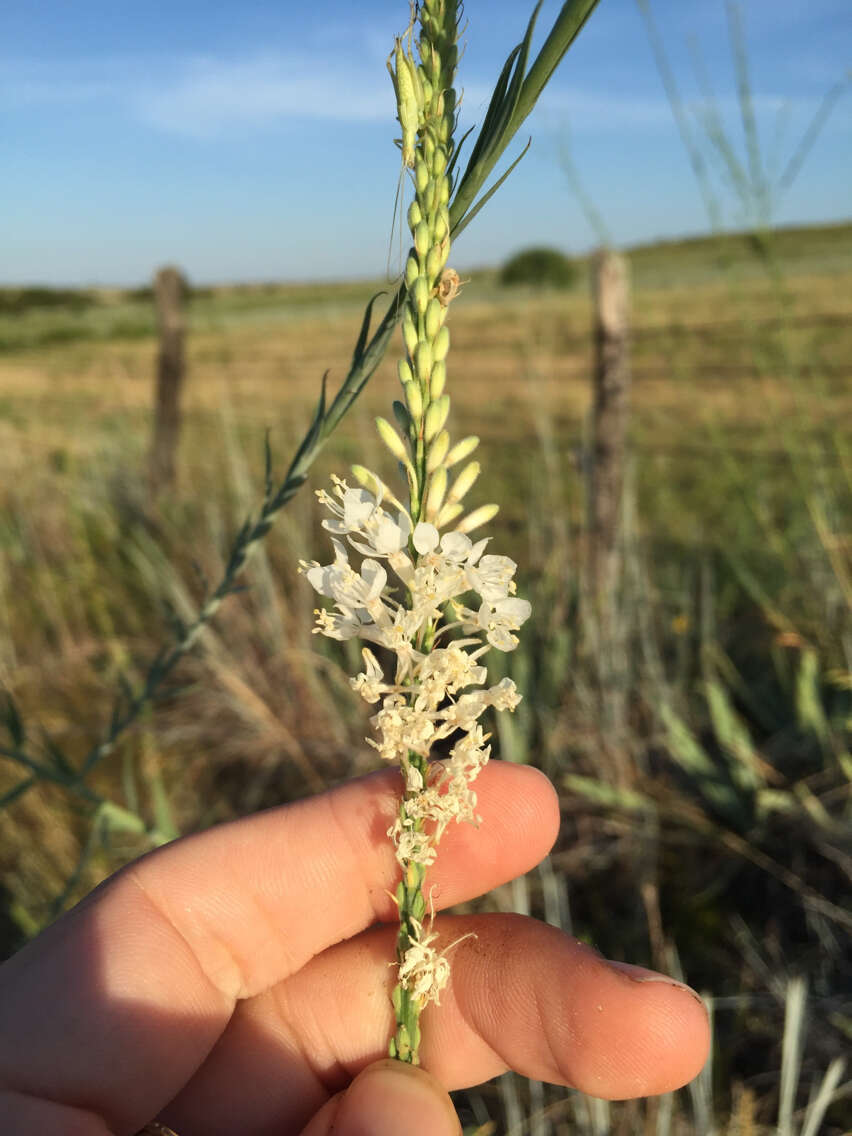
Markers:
point(236, 983)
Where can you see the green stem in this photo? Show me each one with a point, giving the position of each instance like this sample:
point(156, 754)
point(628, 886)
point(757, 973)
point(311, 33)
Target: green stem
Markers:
point(405, 1043)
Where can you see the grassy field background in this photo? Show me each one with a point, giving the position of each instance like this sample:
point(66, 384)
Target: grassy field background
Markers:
point(704, 766)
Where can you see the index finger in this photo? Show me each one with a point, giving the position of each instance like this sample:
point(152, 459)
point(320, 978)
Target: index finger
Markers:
point(143, 976)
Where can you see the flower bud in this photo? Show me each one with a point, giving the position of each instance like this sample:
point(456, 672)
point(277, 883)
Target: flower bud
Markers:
point(435, 493)
point(436, 417)
point(439, 378)
point(439, 161)
point(404, 371)
point(392, 440)
point(447, 514)
point(434, 317)
point(422, 239)
point(442, 226)
point(420, 295)
point(421, 175)
point(423, 361)
point(415, 216)
point(480, 516)
point(412, 271)
point(400, 413)
point(436, 258)
point(409, 332)
point(442, 340)
point(437, 451)
point(461, 450)
point(464, 482)
point(404, 80)
point(414, 400)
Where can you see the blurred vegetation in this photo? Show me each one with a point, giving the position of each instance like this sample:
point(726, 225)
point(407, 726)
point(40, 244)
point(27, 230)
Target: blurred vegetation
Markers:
point(540, 268)
point(704, 768)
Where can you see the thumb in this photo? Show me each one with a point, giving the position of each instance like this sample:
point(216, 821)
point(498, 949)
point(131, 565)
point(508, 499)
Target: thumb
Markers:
point(385, 1099)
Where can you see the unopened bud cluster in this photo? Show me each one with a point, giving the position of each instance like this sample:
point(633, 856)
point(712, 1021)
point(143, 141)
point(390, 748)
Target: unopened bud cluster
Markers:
point(426, 108)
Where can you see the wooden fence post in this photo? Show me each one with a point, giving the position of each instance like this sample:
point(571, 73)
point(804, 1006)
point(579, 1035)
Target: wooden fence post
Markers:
point(611, 288)
point(169, 293)
point(606, 471)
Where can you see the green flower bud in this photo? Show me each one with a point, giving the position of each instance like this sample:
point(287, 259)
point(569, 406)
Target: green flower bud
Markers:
point(420, 295)
point(464, 482)
point(434, 317)
point(447, 514)
point(436, 258)
point(436, 417)
point(414, 400)
point(461, 450)
point(442, 340)
point(404, 371)
point(412, 271)
point(400, 413)
point(423, 361)
point(439, 161)
point(437, 451)
point(441, 226)
point(392, 440)
point(436, 491)
point(444, 191)
point(480, 516)
point(409, 332)
point(403, 79)
point(421, 175)
point(439, 378)
point(415, 216)
point(422, 239)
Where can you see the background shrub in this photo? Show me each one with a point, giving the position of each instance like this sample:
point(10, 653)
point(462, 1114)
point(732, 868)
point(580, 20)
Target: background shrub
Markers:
point(541, 267)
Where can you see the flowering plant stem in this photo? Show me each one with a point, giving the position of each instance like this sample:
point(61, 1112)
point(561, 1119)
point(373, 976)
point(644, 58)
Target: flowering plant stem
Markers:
point(428, 698)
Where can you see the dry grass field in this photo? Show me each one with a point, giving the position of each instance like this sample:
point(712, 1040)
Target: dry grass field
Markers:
point(704, 768)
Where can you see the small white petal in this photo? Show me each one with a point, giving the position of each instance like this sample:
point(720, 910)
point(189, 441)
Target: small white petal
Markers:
point(425, 538)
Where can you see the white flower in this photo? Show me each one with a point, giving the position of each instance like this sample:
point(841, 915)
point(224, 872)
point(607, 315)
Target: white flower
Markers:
point(423, 971)
point(402, 729)
point(492, 577)
point(370, 683)
point(438, 691)
point(499, 619)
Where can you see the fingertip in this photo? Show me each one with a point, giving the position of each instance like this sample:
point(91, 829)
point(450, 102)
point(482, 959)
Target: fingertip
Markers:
point(389, 1097)
point(652, 1036)
point(682, 1019)
point(522, 799)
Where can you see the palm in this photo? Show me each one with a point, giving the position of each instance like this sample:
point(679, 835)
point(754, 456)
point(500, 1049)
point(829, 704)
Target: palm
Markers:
point(234, 981)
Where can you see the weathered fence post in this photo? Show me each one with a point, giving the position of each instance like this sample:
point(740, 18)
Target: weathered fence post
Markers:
point(169, 293)
point(606, 496)
point(610, 417)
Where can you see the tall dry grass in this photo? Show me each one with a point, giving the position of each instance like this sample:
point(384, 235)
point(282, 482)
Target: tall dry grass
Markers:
point(704, 771)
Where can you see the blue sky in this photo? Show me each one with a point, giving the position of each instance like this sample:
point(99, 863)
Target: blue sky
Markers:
point(252, 139)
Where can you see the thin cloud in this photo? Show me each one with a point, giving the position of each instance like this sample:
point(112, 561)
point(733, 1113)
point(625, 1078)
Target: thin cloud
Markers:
point(211, 97)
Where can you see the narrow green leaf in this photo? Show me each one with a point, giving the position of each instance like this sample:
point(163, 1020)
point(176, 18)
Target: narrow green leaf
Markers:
point(17, 791)
point(365, 329)
point(57, 755)
point(486, 197)
point(13, 721)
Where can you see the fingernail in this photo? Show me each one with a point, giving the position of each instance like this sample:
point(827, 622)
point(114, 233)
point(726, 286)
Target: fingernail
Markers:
point(641, 974)
point(390, 1097)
